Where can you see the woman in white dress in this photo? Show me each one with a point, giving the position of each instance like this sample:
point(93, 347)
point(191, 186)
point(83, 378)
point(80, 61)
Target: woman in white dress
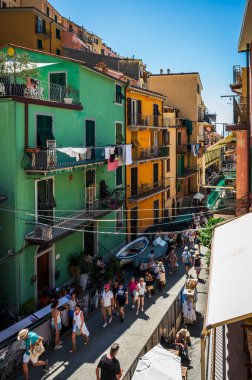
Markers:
point(141, 290)
point(79, 327)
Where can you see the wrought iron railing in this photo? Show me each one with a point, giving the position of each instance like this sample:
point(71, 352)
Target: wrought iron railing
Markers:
point(43, 159)
point(145, 120)
point(186, 172)
point(149, 153)
point(40, 29)
point(147, 187)
point(37, 89)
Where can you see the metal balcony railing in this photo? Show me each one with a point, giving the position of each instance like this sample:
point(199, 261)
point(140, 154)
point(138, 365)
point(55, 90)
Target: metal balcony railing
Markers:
point(187, 172)
point(46, 160)
point(146, 189)
point(58, 228)
point(39, 29)
point(37, 89)
point(145, 120)
point(139, 154)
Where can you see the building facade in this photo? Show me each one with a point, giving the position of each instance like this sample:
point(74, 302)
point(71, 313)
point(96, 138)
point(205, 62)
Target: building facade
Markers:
point(145, 180)
point(65, 196)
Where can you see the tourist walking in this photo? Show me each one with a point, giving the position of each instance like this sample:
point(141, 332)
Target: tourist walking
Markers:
point(141, 289)
point(33, 349)
point(56, 324)
point(187, 259)
point(161, 275)
point(121, 299)
point(107, 304)
point(79, 327)
point(149, 280)
point(132, 287)
point(71, 305)
point(197, 263)
point(172, 261)
point(108, 367)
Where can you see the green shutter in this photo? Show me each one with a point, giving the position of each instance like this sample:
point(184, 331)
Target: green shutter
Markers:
point(44, 130)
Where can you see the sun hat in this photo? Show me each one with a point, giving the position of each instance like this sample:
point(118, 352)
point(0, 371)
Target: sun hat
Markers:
point(22, 334)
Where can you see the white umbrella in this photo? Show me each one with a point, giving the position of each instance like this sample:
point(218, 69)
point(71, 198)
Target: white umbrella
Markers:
point(158, 364)
point(17, 67)
point(199, 196)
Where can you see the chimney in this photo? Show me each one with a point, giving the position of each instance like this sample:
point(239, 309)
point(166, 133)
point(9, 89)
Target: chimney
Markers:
point(168, 71)
point(161, 71)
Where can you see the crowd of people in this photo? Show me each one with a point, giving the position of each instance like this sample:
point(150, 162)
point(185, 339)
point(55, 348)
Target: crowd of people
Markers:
point(118, 293)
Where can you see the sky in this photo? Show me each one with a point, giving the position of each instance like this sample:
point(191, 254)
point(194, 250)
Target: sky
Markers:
point(180, 35)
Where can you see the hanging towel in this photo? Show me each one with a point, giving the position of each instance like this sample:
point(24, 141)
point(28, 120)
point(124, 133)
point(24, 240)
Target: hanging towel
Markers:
point(106, 153)
point(112, 166)
point(128, 158)
point(111, 150)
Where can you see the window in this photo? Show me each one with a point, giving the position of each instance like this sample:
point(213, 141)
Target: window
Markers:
point(119, 176)
point(44, 130)
point(179, 186)
point(58, 36)
point(118, 94)
point(168, 193)
point(168, 165)
point(47, 11)
point(55, 18)
point(119, 219)
point(179, 138)
point(198, 88)
point(39, 44)
point(4, 5)
point(119, 133)
point(58, 51)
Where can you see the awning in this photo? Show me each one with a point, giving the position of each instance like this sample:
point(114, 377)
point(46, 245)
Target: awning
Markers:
point(229, 294)
point(223, 142)
point(213, 153)
point(159, 364)
point(18, 67)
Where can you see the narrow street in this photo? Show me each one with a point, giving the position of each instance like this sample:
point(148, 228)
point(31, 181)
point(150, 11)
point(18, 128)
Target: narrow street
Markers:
point(132, 335)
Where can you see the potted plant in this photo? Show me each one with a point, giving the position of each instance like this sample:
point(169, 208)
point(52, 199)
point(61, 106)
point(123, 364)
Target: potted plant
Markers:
point(70, 93)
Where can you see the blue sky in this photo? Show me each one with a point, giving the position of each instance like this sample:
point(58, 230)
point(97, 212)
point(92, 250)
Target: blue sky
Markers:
point(182, 35)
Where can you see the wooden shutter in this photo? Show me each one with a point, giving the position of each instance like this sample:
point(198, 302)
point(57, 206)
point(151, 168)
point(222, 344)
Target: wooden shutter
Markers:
point(129, 111)
point(139, 112)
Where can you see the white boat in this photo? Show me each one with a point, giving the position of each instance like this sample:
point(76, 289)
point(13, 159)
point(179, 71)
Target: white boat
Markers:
point(128, 253)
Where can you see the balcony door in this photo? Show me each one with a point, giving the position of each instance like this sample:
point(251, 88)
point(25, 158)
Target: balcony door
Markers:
point(45, 201)
point(134, 111)
point(57, 86)
point(90, 137)
point(156, 113)
point(155, 175)
point(45, 272)
point(89, 240)
point(44, 130)
point(134, 181)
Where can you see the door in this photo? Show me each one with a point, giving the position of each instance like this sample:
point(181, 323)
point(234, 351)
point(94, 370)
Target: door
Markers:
point(155, 175)
point(133, 223)
point(45, 201)
point(90, 136)
point(155, 114)
point(44, 130)
point(134, 181)
point(89, 240)
point(90, 188)
point(43, 275)
point(57, 86)
point(156, 212)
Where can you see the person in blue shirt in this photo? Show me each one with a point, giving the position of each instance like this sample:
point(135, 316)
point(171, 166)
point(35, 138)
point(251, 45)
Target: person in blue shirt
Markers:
point(31, 339)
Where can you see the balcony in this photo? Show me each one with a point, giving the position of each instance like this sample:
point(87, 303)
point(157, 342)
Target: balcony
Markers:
point(144, 121)
point(40, 29)
point(43, 233)
point(48, 160)
point(38, 91)
point(144, 154)
point(146, 190)
point(187, 172)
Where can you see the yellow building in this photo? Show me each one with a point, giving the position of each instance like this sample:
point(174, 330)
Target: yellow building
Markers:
point(150, 147)
point(32, 28)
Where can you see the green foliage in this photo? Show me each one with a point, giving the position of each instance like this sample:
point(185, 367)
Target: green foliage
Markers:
point(206, 236)
point(113, 267)
point(19, 66)
point(74, 259)
point(28, 307)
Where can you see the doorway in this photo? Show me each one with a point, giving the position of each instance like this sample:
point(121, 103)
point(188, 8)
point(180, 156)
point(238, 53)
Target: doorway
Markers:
point(89, 240)
point(155, 175)
point(44, 271)
point(90, 136)
point(133, 223)
point(57, 86)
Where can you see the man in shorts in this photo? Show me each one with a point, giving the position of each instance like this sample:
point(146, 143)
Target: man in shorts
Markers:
point(31, 339)
point(187, 259)
point(122, 299)
point(108, 367)
point(107, 304)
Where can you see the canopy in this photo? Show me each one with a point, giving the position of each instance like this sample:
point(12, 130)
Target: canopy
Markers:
point(199, 196)
point(17, 67)
point(223, 142)
point(229, 295)
point(159, 364)
point(213, 153)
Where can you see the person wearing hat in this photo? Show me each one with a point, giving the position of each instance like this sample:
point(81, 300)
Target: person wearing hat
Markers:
point(31, 340)
point(107, 304)
point(187, 259)
point(197, 263)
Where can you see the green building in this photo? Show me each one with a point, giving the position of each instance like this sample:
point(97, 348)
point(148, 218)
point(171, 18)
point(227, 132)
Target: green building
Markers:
point(61, 197)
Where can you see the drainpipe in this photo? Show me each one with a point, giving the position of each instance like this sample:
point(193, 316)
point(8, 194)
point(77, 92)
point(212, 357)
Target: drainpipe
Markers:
point(248, 122)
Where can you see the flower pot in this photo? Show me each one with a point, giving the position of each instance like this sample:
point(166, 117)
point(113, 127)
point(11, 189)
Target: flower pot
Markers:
point(83, 281)
point(68, 100)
